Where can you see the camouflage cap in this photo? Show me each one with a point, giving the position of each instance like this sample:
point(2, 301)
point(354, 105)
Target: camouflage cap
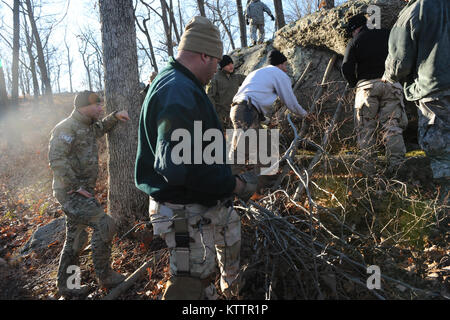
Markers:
point(86, 98)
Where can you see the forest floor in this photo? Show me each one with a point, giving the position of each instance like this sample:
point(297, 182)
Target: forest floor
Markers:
point(26, 203)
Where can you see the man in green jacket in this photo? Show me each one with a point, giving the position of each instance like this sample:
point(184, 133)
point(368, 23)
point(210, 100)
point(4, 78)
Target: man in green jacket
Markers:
point(190, 196)
point(419, 57)
point(222, 88)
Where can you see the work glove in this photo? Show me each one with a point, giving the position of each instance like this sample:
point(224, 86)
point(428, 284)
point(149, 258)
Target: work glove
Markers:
point(251, 180)
point(273, 18)
point(248, 22)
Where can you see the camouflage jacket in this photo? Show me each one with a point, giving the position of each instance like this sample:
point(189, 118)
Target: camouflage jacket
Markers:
point(73, 154)
point(222, 89)
point(255, 12)
point(419, 49)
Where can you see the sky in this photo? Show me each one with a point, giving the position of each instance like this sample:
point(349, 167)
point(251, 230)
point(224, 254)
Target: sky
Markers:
point(76, 15)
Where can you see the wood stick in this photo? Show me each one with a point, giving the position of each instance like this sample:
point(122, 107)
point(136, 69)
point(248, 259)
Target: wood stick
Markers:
point(128, 282)
point(318, 156)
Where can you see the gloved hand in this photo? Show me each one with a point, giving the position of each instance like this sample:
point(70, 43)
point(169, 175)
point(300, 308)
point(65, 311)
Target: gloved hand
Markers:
point(250, 179)
point(273, 18)
point(248, 22)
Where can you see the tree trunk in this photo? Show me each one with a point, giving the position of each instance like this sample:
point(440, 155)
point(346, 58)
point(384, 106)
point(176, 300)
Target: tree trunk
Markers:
point(29, 42)
point(3, 94)
point(125, 201)
point(201, 7)
point(173, 21)
point(279, 14)
point(167, 29)
point(69, 64)
point(16, 47)
point(40, 52)
point(242, 24)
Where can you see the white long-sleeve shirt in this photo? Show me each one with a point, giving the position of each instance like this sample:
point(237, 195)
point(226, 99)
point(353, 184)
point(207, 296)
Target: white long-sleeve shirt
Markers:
point(264, 85)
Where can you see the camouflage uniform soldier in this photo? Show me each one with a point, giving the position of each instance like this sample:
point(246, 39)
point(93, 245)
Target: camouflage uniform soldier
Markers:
point(419, 46)
point(190, 202)
point(377, 104)
point(73, 159)
point(222, 89)
point(254, 16)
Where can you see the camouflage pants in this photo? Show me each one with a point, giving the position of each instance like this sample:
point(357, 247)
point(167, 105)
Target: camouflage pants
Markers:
point(434, 132)
point(257, 28)
point(211, 233)
point(80, 214)
point(261, 152)
point(244, 117)
point(379, 107)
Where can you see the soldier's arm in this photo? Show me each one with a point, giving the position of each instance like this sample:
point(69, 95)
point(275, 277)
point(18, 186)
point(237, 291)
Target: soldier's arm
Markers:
point(60, 145)
point(211, 91)
point(105, 125)
point(283, 87)
point(401, 60)
point(267, 10)
point(109, 122)
point(349, 65)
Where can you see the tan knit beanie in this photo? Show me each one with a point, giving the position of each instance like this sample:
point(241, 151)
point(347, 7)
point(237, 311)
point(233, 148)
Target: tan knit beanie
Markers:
point(201, 36)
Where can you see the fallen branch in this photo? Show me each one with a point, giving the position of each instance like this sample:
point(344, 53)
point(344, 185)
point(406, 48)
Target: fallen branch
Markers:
point(128, 282)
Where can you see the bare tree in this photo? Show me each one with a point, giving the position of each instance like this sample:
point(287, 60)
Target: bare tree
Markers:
point(144, 29)
point(242, 24)
point(201, 7)
point(118, 31)
point(69, 61)
point(31, 57)
point(85, 56)
point(279, 14)
point(15, 55)
point(165, 20)
point(41, 59)
point(3, 93)
point(225, 21)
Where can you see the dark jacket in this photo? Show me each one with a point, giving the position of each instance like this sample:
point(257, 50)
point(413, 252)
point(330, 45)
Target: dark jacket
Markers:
point(175, 100)
point(419, 49)
point(365, 56)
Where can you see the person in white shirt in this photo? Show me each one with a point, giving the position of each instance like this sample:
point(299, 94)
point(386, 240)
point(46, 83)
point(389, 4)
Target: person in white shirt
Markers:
point(254, 101)
point(263, 86)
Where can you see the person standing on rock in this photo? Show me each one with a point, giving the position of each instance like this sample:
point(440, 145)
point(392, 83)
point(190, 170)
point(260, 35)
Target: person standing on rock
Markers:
point(223, 87)
point(190, 200)
point(254, 16)
point(378, 105)
point(254, 102)
point(73, 158)
point(419, 58)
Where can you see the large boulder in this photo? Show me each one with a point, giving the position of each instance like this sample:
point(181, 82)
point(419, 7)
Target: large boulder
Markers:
point(325, 28)
point(315, 39)
point(44, 236)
